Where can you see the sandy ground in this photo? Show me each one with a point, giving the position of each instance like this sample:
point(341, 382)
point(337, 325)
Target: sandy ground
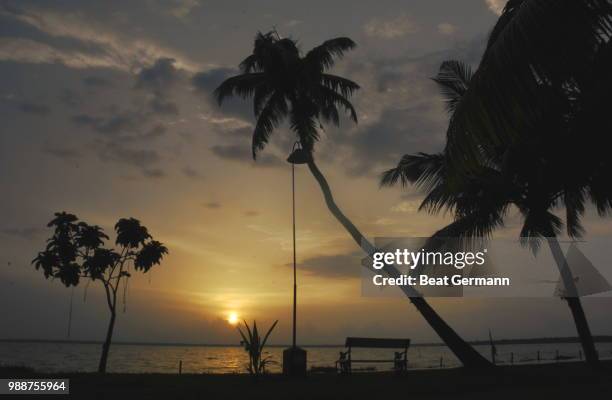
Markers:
point(552, 381)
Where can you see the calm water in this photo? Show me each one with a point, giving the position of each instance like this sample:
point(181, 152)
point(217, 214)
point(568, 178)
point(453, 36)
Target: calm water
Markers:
point(201, 359)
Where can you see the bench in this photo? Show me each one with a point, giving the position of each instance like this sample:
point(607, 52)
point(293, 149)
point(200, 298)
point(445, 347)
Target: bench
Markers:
point(344, 364)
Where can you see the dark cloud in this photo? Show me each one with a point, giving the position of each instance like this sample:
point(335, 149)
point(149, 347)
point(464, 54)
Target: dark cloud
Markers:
point(239, 153)
point(70, 98)
point(155, 132)
point(412, 117)
point(399, 131)
point(212, 205)
point(63, 153)
point(191, 173)
point(96, 81)
point(155, 173)
point(29, 233)
point(251, 213)
point(205, 84)
point(117, 152)
point(207, 81)
point(34, 108)
point(159, 105)
point(111, 125)
point(158, 77)
point(346, 265)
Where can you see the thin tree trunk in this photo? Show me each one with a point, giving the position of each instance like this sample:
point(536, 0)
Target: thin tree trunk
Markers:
point(468, 356)
point(107, 343)
point(575, 305)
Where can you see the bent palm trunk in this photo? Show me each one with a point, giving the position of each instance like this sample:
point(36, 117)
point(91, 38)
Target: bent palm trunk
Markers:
point(575, 305)
point(469, 357)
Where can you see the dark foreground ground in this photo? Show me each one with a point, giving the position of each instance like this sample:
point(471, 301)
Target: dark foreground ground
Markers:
point(552, 381)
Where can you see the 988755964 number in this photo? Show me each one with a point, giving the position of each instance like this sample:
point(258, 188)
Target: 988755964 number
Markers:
point(34, 386)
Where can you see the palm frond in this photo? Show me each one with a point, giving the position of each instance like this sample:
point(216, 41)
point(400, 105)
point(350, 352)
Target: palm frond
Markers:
point(268, 118)
point(574, 209)
point(535, 43)
point(424, 170)
point(453, 79)
point(537, 225)
point(240, 85)
point(346, 87)
point(330, 100)
point(323, 56)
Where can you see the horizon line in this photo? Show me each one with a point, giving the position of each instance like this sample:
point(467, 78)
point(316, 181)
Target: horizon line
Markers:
point(535, 340)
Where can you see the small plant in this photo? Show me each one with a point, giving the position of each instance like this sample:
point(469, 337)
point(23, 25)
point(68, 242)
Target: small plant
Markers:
point(254, 346)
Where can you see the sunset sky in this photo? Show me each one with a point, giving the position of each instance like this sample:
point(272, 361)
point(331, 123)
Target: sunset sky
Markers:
point(106, 112)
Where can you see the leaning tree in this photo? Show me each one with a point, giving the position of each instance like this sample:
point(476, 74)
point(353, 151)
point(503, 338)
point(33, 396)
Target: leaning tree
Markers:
point(76, 251)
point(287, 85)
point(532, 174)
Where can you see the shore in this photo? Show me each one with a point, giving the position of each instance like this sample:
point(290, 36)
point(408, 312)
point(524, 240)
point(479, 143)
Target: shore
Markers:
point(558, 381)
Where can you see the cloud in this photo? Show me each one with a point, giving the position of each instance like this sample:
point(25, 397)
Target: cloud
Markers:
point(251, 213)
point(70, 98)
point(400, 109)
point(159, 79)
point(239, 153)
point(112, 125)
point(29, 233)
point(392, 28)
point(445, 28)
point(96, 81)
point(292, 23)
point(87, 42)
point(406, 207)
point(155, 173)
point(29, 51)
point(346, 265)
point(496, 6)
point(63, 153)
point(182, 8)
point(141, 158)
point(206, 82)
point(166, 107)
point(155, 132)
point(212, 205)
point(159, 76)
point(191, 172)
point(418, 127)
point(34, 108)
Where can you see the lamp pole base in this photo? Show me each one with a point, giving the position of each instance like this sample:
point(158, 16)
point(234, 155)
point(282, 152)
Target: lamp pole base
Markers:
point(294, 362)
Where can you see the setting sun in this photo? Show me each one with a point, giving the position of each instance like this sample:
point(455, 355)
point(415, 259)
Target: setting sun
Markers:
point(232, 318)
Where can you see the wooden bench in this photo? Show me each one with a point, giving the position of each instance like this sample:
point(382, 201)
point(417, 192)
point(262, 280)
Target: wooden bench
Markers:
point(344, 364)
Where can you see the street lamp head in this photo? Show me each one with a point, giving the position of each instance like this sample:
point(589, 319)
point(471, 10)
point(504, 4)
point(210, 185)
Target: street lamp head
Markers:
point(299, 156)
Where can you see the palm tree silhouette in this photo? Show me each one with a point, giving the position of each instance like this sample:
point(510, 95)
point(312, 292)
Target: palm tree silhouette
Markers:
point(286, 85)
point(532, 175)
point(563, 46)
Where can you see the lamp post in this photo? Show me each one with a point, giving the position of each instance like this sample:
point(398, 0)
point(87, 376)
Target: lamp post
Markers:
point(294, 358)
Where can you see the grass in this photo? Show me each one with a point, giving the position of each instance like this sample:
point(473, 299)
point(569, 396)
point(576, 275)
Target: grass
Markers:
point(559, 381)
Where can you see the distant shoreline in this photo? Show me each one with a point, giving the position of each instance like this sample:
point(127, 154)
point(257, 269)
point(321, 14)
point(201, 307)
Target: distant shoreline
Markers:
point(544, 340)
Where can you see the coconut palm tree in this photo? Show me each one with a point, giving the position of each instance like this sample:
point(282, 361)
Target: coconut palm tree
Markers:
point(559, 45)
point(533, 175)
point(284, 84)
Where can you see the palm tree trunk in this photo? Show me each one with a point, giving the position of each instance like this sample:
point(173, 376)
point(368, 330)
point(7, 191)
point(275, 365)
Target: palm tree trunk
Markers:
point(107, 343)
point(575, 305)
point(469, 357)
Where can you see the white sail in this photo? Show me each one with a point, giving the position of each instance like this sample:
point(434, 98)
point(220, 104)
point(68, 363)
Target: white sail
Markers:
point(586, 277)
